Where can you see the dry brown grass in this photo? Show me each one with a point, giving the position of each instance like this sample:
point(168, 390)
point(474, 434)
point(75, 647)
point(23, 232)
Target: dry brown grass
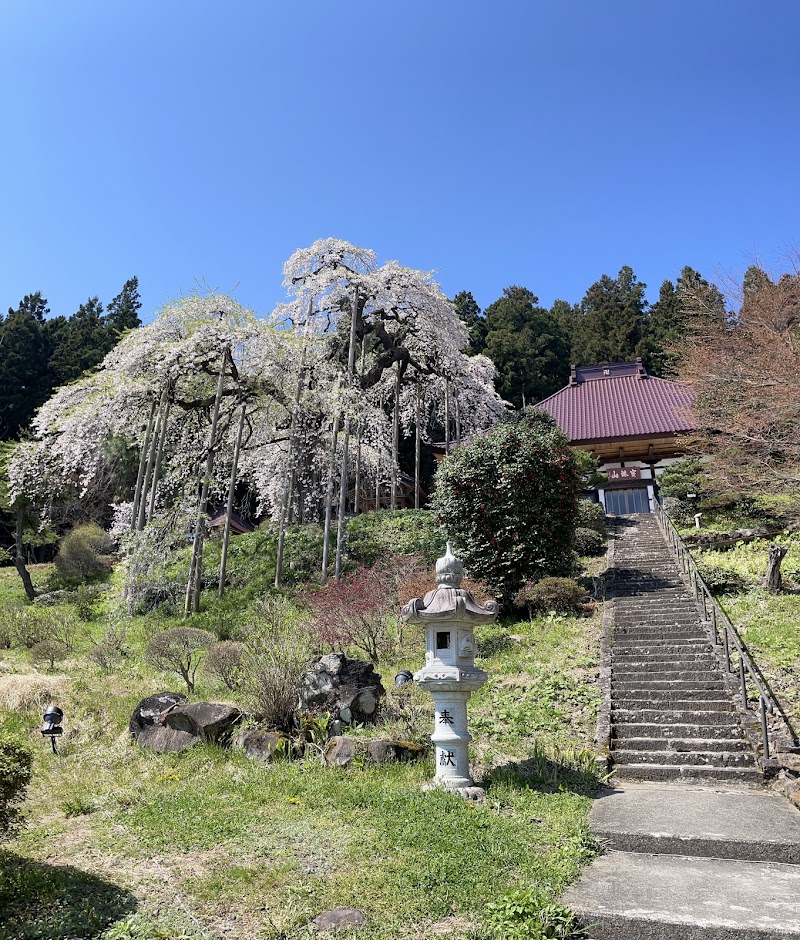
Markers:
point(21, 692)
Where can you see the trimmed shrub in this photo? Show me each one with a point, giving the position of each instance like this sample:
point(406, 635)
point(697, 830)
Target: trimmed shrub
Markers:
point(225, 661)
point(48, 651)
point(591, 516)
point(376, 534)
point(16, 760)
point(180, 650)
point(589, 542)
point(561, 594)
point(84, 554)
point(509, 501)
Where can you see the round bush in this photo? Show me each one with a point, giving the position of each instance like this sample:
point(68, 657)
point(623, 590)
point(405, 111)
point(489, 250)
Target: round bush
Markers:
point(588, 542)
point(16, 760)
point(722, 580)
point(591, 516)
point(562, 594)
point(509, 501)
point(84, 554)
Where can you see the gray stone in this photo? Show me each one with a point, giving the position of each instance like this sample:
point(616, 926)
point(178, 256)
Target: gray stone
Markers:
point(630, 896)
point(260, 744)
point(346, 688)
point(341, 751)
point(338, 918)
point(164, 740)
point(149, 711)
point(209, 721)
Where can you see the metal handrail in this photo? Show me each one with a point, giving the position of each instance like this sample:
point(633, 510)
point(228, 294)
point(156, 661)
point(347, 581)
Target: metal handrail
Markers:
point(723, 631)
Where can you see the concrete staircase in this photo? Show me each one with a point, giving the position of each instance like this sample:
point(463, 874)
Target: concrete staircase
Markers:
point(673, 713)
point(695, 848)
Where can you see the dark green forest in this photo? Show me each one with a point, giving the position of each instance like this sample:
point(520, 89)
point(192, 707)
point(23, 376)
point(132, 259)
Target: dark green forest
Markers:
point(39, 352)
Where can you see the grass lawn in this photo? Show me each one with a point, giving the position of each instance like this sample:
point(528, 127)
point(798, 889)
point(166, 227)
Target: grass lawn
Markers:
point(123, 843)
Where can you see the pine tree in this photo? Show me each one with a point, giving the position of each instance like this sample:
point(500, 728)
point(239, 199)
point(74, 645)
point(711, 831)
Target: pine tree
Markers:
point(123, 311)
point(528, 345)
point(24, 382)
point(468, 310)
point(611, 324)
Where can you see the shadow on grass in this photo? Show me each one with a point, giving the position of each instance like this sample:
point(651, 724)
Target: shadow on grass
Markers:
point(54, 902)
point(569, 770)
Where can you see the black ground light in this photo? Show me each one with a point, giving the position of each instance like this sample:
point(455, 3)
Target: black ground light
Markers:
point(51, 727)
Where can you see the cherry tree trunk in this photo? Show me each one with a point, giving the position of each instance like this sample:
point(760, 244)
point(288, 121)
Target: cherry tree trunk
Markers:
point(344, 476)
point(19, 559)
point(773, 581)
point(138, 494)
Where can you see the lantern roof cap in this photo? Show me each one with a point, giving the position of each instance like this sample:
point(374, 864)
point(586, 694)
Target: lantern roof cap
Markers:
point(449, 601)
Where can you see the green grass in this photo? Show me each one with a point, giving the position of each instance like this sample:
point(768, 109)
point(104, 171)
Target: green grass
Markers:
point(207, 844)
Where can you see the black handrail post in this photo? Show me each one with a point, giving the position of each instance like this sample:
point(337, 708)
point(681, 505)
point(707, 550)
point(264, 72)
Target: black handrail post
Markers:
point(714, 622)
point(764, 732)
point(705, 606)
point(742, 679)
point(727, 647)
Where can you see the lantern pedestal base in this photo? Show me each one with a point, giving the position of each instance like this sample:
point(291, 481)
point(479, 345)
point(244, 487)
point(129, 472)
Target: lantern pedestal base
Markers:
point(473, 793)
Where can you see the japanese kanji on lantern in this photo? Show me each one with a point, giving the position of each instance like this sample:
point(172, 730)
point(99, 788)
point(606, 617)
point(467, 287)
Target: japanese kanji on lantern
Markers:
point(450, 615)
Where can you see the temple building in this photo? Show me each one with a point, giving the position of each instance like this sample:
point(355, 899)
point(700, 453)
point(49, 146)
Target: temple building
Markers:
point(632, 422)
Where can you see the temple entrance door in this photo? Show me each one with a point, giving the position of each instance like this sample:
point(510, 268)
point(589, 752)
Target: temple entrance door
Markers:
point(624, 502)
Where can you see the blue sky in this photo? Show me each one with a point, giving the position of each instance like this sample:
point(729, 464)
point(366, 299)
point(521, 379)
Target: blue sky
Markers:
point(533, 143)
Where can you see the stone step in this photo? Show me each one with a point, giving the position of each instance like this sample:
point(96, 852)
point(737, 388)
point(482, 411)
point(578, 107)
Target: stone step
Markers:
point(688, 773)
point(676, 685)
point(633, 896)
point(635, 704)
point(662, 672)
point(678, 660)
point(673, 758)
point(683, 744)
point(664, 646)
point(697, 821)
point(679, 730)
point(664, 698)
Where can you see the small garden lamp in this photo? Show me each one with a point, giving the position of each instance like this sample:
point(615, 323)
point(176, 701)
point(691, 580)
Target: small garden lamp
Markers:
point(51, 726)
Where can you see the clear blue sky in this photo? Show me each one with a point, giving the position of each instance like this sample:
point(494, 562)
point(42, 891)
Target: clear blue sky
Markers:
point(519, 142)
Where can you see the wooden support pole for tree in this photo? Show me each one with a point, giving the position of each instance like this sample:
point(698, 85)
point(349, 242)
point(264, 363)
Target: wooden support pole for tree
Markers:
point(447, 416)
point(192, 603)
point(291, 469)
point(137, 496)
point(344, 476)
point(226, 536)
point(357, 493)
point(417, 448)
point(457, 408)
point(331, 483)
point(395, 441)
point(149, 469)
point(162, 434)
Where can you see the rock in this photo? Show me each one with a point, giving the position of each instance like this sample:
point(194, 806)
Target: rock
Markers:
point(209, 721)
point(349, 689)
point(342, 751)
point(338, 918)
point(148, 712)
point(788, 761)
point(339, 752)
point(165, 740)
point(260, 744)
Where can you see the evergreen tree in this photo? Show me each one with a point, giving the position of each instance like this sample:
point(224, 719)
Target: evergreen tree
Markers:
point(528, 345)
point(468, 310)
point(123, 311)
point(611, 323)
point(81, 342)
point(24, 381)
point(662, 331)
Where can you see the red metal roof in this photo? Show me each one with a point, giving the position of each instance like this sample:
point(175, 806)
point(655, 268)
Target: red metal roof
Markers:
point(596, 407)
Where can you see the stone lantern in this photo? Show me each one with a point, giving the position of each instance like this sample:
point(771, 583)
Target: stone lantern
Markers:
point(450, 614)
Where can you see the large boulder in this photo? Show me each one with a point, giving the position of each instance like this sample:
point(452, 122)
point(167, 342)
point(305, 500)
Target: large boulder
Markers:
point(348, 689)
point(149, 711)
point(209, 721)
point(165, 740)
